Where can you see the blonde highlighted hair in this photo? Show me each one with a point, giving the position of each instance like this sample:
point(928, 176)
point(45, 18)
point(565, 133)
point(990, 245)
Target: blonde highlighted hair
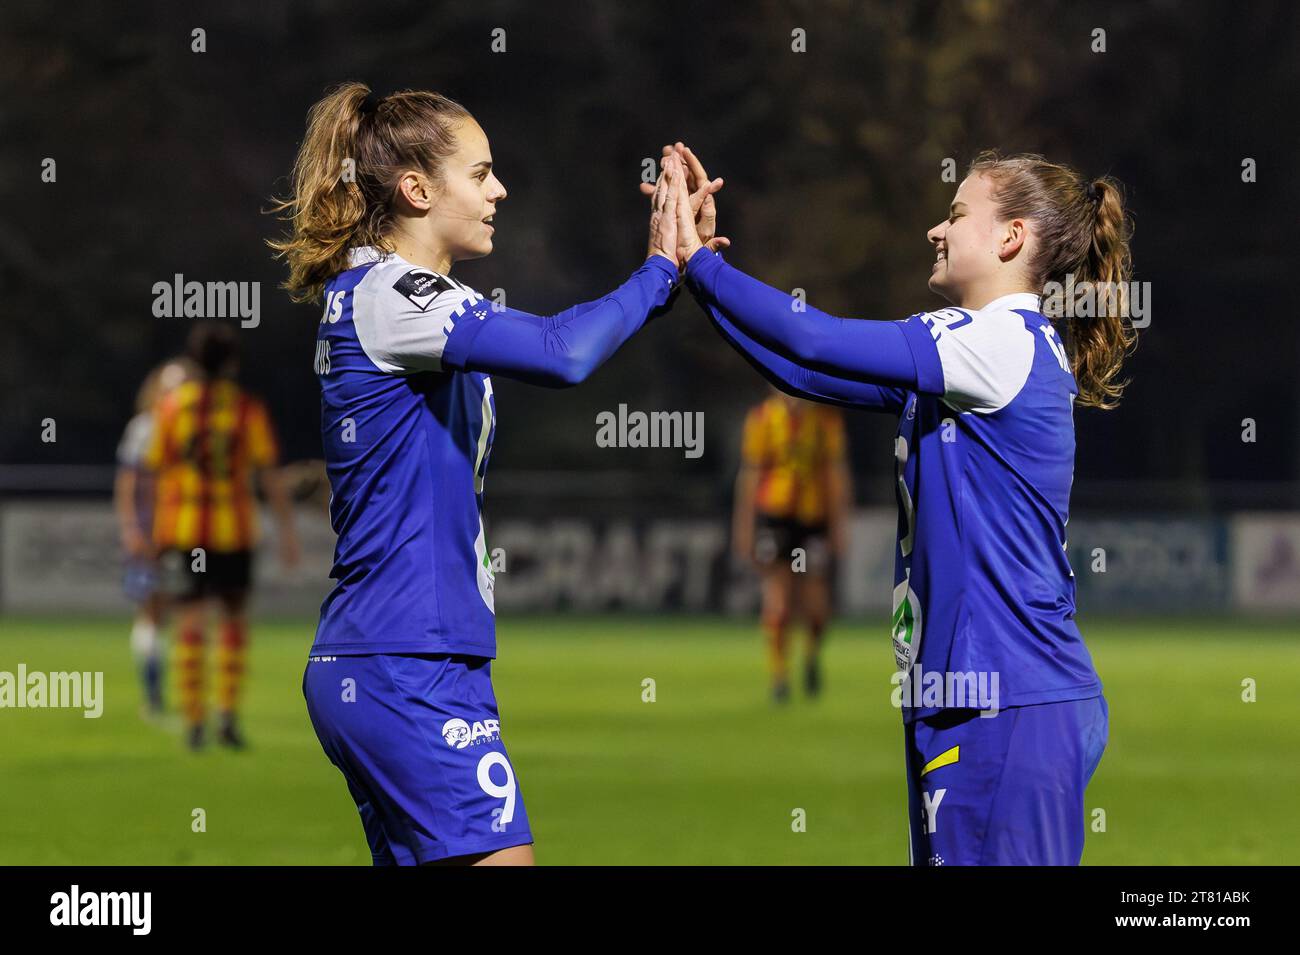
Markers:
point(345, 177)
point(162, 379)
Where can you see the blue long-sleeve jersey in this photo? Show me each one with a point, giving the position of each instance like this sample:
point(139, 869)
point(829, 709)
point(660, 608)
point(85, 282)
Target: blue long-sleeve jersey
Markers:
point(404, 358)
point(985, 460)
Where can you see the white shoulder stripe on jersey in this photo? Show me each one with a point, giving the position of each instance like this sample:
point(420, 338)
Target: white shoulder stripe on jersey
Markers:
point(986, 354)
point(404, 330)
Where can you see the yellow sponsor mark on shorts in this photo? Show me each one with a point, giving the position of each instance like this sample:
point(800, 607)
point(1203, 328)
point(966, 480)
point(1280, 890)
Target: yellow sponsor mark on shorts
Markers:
point(946, 758)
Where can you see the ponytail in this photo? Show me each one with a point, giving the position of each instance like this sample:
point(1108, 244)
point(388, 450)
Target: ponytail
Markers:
point(344, 181)
point(1083, 233)
point(1098, 345)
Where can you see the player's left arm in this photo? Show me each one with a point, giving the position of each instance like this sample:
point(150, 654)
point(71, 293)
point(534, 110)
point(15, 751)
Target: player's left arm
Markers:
point(562, 349)
point(264, 457)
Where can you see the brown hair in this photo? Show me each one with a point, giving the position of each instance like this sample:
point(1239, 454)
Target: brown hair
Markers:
point(1083, 231)
point(375, 139)
point(213, 347)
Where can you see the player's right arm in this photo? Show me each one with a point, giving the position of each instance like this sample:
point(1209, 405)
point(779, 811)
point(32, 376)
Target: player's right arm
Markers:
point(130, 451)
point(156, 454)
point(128, 522)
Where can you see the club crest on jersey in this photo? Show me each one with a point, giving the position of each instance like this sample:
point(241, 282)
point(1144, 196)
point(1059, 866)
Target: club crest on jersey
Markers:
point(422, 286)
point(459, 734)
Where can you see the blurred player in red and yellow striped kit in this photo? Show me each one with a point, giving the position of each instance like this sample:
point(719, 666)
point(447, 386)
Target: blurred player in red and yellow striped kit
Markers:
point(210, 438)
point(133, 502)
point(791, 510)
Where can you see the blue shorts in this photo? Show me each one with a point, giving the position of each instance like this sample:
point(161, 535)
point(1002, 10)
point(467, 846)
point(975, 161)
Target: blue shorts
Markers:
point(418, 739)
point(1004, 790)
point(139, 579)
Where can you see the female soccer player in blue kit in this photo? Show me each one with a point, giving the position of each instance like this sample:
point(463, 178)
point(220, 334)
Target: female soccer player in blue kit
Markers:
point(1000, 748)
point(388, 193)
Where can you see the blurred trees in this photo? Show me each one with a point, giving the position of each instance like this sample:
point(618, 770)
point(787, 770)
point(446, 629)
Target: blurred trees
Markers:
point(832, 158)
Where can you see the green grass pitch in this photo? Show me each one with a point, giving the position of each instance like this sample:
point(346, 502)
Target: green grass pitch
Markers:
point(708, 773)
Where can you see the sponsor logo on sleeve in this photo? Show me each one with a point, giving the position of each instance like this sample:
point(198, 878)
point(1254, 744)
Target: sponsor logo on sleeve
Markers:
point(422, 286)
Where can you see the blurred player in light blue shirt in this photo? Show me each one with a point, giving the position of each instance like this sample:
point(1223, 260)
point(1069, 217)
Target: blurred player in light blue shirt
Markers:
point(133, 503)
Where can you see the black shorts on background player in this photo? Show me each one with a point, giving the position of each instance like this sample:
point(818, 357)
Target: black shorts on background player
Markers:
point(776, 538)
point(228, 572)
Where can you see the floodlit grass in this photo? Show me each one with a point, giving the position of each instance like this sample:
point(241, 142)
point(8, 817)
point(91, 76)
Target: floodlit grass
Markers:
point(708, 773)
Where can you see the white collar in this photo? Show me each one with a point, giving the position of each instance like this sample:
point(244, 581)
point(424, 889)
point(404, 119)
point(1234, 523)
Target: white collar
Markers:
point(365, 254)
point(1027, 300)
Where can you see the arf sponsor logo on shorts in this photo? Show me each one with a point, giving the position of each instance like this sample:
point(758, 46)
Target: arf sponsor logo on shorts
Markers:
point(459, 734)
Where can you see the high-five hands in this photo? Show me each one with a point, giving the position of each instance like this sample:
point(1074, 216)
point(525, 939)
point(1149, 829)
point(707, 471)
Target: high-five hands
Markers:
point(693, 204)
point(663, 211)
point(688, 238)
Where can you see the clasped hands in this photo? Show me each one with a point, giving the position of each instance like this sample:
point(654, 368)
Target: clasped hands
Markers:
point(683, 214)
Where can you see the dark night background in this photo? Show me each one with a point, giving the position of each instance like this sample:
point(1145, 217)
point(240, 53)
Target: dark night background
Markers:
point(832, 158)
